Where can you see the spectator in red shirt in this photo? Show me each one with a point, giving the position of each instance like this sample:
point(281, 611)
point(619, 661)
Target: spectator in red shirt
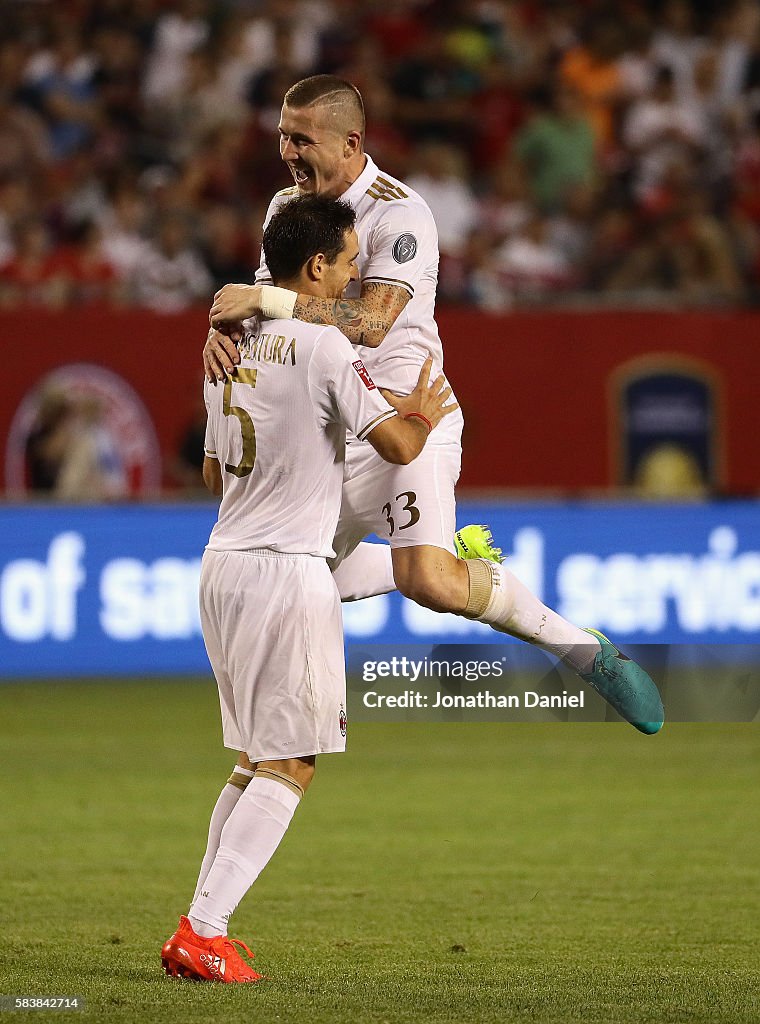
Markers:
point(33, 276)
point(87, 275)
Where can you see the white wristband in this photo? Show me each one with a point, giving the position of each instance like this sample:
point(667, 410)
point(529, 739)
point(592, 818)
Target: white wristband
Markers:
point(277, 303)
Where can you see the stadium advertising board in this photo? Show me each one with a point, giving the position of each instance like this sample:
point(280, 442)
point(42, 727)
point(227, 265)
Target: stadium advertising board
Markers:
point(113, 590)
point(673, 379)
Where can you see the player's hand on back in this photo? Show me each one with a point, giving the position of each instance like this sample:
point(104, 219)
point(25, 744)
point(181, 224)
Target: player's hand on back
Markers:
point(232, 304)
point(427, 399)
point(220, 355)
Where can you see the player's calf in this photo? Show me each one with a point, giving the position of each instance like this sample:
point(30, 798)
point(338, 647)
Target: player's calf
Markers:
point(431, 577)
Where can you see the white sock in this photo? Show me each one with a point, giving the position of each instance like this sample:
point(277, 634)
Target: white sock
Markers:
point(508, 606)
point(366, 572)
point(249, 839)
point(228, 798)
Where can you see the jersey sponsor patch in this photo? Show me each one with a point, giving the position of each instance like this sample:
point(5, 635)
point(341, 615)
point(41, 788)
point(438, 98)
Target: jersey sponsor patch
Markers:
point(361, 369)
point(405, 248)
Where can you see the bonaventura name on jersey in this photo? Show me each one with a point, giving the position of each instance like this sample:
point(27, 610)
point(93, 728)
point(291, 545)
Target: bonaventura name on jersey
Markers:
point(269, 348)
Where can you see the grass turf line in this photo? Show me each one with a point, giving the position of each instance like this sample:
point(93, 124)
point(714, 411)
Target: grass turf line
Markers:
point(580, 874)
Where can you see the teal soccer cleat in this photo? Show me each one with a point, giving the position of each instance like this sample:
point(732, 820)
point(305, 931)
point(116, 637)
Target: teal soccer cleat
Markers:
point(476, 542)
point(626, 686)
point(623, 684)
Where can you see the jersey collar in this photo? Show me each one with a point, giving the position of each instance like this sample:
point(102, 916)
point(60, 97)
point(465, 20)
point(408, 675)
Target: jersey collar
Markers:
point(354, 192)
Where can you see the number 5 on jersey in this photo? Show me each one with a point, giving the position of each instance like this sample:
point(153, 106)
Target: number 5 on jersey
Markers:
point(247, 430)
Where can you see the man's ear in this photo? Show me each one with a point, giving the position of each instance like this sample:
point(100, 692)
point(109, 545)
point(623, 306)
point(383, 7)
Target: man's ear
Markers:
point(315, 268)
point(353, 144)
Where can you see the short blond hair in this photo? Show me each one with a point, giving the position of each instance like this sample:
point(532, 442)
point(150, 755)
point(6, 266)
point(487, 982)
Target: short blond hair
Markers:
point(341, 96)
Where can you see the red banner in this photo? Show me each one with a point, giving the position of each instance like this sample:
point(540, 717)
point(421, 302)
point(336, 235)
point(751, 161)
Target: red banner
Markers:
point(540, 391)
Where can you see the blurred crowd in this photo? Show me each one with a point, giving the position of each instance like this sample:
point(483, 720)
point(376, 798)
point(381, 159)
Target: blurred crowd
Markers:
point(570, 151)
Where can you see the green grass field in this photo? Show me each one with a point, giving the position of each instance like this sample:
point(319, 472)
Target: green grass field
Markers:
point(459, 873)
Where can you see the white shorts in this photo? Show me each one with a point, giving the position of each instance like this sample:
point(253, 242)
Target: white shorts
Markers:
point(274, 635)
point(405, 505)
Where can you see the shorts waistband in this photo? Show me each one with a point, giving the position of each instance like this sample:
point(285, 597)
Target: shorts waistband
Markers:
point(266, 553)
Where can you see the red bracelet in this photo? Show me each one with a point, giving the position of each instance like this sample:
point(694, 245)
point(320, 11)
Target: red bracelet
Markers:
point(419, 416)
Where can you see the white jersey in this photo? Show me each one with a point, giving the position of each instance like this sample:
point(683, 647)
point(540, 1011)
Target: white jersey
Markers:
point(398, 245)
point(278, 429)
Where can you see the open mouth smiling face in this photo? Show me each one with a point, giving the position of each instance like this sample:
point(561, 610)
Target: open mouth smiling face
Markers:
point(301, 175)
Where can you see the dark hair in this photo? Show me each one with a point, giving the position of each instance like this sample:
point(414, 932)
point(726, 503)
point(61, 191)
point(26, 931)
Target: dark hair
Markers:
point(303, 227)
point(334, 91)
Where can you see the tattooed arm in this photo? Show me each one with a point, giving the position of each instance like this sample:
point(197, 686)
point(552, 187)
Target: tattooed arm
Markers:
point(364, 321)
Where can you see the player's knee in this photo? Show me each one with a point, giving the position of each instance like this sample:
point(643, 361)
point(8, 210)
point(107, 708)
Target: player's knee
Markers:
point(302, 770)
point(295, 772)
point(242, 773)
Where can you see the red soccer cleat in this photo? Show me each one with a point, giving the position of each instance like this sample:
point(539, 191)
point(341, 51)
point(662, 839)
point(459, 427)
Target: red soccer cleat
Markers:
point(188, 955)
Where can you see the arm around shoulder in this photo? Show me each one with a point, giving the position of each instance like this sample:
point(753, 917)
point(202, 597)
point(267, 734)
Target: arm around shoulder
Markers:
point(364, 321)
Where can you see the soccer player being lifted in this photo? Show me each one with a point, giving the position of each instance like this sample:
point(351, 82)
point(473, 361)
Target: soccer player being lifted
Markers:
point(388, 314)
point(270, 609)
